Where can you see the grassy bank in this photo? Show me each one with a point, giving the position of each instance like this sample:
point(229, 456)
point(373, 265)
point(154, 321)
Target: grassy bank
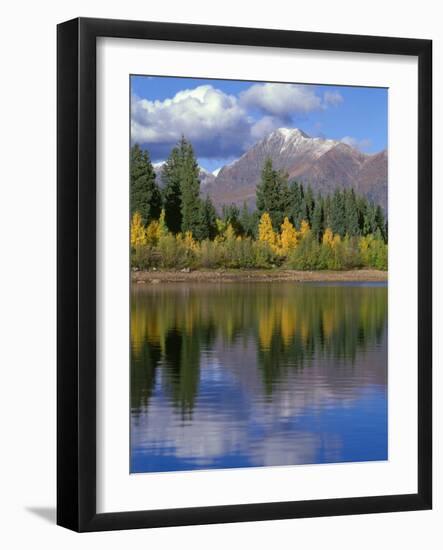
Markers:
point(256, 275)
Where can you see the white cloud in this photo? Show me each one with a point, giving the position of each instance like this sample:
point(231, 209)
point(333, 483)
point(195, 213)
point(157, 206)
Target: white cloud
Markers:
point(209, 118)
point(332, 98)
point(219, 125)
point(361, 144)
point(281, 99)
point(264, 126)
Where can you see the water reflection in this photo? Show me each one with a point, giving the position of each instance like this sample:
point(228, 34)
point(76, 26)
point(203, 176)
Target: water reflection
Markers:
point(257, 374)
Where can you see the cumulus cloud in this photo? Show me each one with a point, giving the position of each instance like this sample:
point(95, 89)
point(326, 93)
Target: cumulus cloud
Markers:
point(219, 124)
point(288, 100)
point(361, 144)
point(212, 120)
point(264, 126)
point(281, 100)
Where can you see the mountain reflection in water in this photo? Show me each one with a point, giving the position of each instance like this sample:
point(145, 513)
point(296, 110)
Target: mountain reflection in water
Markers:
point(261, 374)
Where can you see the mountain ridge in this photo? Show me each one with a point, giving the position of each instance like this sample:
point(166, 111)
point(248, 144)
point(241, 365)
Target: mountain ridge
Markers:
point(325, 164)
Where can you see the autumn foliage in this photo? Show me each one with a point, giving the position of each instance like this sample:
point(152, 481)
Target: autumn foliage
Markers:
point(155, 246)
point(174, 227)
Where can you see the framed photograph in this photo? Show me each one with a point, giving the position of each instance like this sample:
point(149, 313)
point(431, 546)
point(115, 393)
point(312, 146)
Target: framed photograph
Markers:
point(244, 274)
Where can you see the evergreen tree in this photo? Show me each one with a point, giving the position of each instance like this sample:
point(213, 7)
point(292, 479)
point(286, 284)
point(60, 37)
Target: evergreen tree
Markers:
point(190, 188)
point(309, 202)
point(361, 209)
point(380, 221)
point(294, 203)
point(298, 210)
point(327, 209)
point(318, 219)
point(207, 226)
point(351, 212)
point(247, 221)
point(145, 195)
point(172, 199)
point(338, 219)
point(231, 215)
point(272, 193)
point(370, 219)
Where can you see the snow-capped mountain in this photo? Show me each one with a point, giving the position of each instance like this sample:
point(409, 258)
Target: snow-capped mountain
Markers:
point(324, 163)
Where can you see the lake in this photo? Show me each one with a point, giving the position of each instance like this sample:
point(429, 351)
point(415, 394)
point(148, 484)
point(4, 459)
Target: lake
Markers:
point(229, 375)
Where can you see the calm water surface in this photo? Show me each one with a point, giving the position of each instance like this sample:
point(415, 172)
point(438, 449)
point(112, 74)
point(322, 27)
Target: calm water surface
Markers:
point(261, 374)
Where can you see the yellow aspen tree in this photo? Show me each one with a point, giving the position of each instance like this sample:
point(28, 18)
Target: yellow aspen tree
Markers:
point(162, 227)
point(152, 233)
point(138, 232)
point(288, 237)
point(265, 231)
point(336, 241)
point(189, 242)
point(364, 245)
point(328, 237)
point(304, 228)
point(229, 233)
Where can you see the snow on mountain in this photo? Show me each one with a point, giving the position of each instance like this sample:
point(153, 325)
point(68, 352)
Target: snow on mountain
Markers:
point(324, 163)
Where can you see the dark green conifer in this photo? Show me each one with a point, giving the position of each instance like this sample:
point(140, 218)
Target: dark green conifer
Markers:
point(272, 193)
point(317, 224)
point(145, 196)
point(338, 214)
point(351, 213)
point(171, 175)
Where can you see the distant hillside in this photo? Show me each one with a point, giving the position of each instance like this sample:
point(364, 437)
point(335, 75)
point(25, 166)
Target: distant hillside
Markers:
point(323, 163)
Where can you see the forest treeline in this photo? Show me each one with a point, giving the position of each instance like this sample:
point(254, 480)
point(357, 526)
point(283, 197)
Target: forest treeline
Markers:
point(174, 227)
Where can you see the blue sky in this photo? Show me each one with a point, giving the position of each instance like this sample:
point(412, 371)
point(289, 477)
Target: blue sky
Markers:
point(223, 118)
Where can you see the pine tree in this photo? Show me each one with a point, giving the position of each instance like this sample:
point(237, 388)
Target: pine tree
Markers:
point(210, 218)
point(264, 188)
point(338, 218)
point(145, 195)
point(351, 213)
point(318, 219)
point(207, 223)
point(190, 188)
point(297, 210)
point(327, 208)
point(231, 214)
point(380, 222)
point(246, 221)
point(172, 199)
point(370, 219)
point(272, 193)
point(309, 202)
point(361, 209)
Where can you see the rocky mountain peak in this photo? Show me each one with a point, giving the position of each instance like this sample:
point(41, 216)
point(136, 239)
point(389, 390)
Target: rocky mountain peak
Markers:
point(325, 164)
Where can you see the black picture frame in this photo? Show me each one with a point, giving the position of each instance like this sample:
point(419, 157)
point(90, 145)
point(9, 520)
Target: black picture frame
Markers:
point(76, 279)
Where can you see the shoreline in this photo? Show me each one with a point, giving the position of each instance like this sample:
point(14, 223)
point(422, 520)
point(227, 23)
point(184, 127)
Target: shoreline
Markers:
point(256, 275)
